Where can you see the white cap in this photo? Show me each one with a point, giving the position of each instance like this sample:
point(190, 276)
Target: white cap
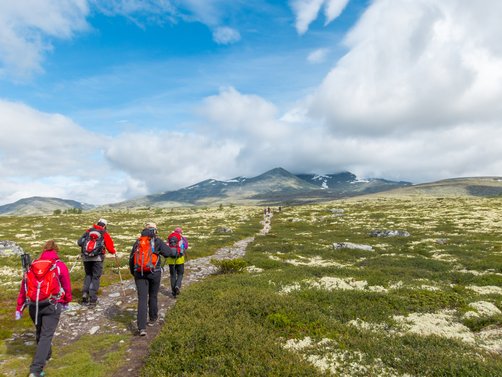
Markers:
point(103, 221)
point(150, 225)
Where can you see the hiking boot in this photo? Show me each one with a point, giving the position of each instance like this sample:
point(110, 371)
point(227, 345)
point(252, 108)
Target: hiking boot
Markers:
point(151, 323)
point(93, 303)
point(142, 332)
point(84, 301)
point(35, 374)
point(177, 291)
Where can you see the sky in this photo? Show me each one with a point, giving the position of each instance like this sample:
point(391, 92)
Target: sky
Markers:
point(107, 100)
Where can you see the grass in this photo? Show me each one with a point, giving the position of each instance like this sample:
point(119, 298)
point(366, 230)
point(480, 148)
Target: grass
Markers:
point(299, 307)
point(246, 324)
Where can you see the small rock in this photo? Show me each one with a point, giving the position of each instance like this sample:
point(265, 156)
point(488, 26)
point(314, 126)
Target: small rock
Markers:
point(93, 330)
point(116, 294)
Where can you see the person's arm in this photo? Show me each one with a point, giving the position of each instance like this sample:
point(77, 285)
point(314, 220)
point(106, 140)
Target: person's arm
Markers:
point(64, 279)
point(109, 243)
point(161, 247)
point(131, 258)
point(21, 298)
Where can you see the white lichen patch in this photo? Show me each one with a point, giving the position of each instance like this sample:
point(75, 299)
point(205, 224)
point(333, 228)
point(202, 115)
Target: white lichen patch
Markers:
point(325, 356)
point(333, 283)
point(486, 289)
point(316, 261)
point(484, 308)
point(254, 269)
point(290, 288)
point(7, 272)
point(491, 339)
point(441, 324)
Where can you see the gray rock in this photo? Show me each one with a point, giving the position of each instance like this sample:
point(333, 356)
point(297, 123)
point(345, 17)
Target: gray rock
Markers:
point(10, 248)
point(350, 245)
point(389, 233)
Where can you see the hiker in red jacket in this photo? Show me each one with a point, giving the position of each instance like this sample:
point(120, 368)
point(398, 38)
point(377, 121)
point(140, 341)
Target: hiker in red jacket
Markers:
point(94, 243)
point(45, 314)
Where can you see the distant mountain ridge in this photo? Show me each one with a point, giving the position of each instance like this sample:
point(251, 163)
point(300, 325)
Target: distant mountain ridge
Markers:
point(274, 187)
point(38, 205)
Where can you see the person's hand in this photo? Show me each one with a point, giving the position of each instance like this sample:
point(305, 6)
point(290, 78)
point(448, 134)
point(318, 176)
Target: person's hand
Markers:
point(65, 307)
point(18, 315)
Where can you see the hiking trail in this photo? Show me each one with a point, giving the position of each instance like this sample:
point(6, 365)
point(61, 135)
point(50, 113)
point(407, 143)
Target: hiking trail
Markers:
point(115, 312)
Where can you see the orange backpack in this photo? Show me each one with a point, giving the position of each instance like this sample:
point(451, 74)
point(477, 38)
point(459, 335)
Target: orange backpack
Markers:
point(145, 258)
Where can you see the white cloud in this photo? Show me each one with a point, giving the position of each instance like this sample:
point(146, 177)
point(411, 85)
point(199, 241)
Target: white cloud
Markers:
point(26, 27)
point(307, 11)
point(170, 160)
point(44, 154)
point(415, 65)
point(226, 35)
point(318, 56)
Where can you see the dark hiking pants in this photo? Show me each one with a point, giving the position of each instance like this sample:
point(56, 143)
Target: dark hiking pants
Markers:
point(93, 271)
point(147, 287)
point(47, 322)
point(176, 272)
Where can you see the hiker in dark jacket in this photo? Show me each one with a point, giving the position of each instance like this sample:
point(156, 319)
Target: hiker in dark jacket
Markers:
point(45, 315)
point(147, 274)
point(93, 264)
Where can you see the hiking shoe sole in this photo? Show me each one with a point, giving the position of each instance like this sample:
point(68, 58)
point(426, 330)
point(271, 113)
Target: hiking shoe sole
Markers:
point(142, 332)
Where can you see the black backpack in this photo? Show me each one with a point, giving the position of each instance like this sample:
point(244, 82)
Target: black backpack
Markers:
point(93, 244)
point(174, 249)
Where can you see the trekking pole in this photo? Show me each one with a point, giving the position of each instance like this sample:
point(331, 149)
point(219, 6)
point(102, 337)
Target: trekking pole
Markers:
point(120, 275)
point(74, 263)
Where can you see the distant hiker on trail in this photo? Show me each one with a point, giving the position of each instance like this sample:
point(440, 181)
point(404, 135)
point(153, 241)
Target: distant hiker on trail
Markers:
point(178, 246)
point(46, 290)
point(145, 266)
point(94, 243)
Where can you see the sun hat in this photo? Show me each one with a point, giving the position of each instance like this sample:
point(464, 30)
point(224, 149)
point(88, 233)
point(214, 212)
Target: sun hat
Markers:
point(150, 225)
point(102, 222)
point(178, 230)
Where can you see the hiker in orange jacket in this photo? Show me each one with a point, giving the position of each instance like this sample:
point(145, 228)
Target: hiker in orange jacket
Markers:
point(45, 314)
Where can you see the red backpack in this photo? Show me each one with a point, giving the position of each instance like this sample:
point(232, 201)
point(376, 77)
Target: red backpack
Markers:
point(94, 243)
point(42, 282)
point(145, 258)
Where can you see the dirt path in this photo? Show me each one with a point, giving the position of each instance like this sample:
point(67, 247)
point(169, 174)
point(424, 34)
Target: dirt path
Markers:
point(116, 309)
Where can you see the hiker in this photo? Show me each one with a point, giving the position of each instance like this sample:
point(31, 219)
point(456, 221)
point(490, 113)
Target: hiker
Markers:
point(145, 266)
point(176, 261)
point(45, 298)
point(94, 243)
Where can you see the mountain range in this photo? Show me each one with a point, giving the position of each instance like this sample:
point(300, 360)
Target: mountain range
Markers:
point(274, 187)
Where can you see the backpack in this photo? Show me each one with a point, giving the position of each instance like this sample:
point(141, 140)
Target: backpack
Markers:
point(93, 243)
point(42, 282)
point(174, 249)
point(145, 259)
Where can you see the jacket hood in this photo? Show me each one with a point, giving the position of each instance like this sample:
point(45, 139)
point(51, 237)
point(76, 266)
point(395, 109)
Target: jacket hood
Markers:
point(98, 227)
point(49, 254)
point(149, 232)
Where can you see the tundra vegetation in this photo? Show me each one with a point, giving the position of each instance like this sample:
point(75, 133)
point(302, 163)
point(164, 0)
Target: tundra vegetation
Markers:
point(424, 301)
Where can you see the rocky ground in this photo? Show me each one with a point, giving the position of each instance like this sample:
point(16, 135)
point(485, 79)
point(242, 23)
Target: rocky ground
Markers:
point(116, 309)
